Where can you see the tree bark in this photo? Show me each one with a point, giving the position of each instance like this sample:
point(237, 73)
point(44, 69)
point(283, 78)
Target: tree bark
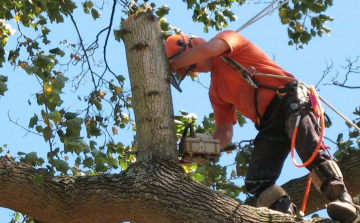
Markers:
point(148, 191)
point(147, 65)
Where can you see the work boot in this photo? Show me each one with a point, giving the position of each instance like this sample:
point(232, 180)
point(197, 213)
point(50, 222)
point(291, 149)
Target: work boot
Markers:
point(341, 208)
point(328, 179)
point(276, 198)
point(284, 205)
point(343, 212)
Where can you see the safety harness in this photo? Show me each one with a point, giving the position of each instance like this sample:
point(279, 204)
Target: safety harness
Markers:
point(248, 76)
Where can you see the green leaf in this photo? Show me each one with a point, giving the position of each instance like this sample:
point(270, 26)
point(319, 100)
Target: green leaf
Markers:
point(123, 165)
point(77, 162)
point(88, 162)
point(95, 13)
point(240, 118)
point(55, 116)
point(30, 159)
point(88, 5)
point(33, 121)
point(338, 155)
point(17, 216)
point(70, 115)
point(199, 177)
point(354, 134)
point(74, 125)
point(60, 80)
point(47, 133)
point(37, 180)
point(61, 165)
point(162, 11)
point(57, 51)
point(3, 86)
point(39, 128)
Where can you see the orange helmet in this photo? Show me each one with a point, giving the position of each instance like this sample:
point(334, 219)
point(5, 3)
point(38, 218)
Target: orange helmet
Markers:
point(176, 44)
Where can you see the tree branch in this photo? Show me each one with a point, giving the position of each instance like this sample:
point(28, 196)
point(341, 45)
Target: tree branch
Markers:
point(149, 191)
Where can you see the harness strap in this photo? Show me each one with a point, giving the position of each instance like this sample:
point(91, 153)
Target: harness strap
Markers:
point(250, 79)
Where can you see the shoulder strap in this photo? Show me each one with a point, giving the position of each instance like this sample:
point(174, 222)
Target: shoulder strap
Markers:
point(241, 70)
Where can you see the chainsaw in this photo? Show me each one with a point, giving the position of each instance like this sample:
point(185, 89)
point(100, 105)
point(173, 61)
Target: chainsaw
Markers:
point(199, 147)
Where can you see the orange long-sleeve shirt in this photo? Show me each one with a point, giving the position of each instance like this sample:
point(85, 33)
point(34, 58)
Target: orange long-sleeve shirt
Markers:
point(229, 91)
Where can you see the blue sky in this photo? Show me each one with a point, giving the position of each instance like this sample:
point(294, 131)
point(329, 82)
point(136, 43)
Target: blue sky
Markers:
point(307, 65)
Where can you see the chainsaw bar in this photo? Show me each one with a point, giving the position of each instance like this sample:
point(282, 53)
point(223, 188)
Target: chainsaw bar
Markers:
point(173, 82)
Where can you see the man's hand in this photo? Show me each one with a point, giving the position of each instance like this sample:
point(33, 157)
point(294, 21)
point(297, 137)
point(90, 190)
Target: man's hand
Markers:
point(224, 133)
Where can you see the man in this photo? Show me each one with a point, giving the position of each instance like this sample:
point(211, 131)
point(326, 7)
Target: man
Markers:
point(273, 105)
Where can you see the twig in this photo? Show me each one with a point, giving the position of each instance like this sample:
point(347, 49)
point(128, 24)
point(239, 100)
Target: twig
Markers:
point(27, 130)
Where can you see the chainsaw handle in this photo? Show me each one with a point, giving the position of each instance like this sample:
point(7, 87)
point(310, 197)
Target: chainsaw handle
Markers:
point(192, 135)
point(229, 148)
point(187, 127)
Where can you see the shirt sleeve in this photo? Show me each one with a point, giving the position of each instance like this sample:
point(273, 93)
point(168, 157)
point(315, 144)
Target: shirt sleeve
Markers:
point(223, 112)
point(233, 39)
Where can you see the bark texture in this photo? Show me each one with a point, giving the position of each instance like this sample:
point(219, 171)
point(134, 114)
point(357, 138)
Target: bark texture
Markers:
point(148, 191)
point(147, 64)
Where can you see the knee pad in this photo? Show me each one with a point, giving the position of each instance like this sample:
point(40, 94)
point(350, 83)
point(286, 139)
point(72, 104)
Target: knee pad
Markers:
point(324, 172)
point(270, 196)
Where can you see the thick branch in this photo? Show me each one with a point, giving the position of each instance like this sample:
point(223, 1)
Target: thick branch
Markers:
point(149, 191)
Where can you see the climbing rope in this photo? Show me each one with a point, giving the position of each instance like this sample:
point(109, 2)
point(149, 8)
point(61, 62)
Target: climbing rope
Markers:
point(319, 114)
point(259, 16)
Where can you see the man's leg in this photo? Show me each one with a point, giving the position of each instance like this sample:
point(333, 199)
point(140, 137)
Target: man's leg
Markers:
point(265, 167)
point(325, 173)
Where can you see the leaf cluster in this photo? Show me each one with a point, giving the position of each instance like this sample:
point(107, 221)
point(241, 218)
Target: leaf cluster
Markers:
point(351, 144)
point(305, 19)
point(44, 61)
point(214, 14)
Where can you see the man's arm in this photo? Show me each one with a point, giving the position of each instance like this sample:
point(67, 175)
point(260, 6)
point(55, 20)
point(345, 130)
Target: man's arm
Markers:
point(224, 133)
point(200, 53)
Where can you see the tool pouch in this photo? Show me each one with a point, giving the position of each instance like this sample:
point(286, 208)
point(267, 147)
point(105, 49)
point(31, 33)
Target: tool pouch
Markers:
point(293, 88)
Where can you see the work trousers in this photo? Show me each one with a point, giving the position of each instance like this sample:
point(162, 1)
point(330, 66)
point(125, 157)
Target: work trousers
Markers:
point(272, 144)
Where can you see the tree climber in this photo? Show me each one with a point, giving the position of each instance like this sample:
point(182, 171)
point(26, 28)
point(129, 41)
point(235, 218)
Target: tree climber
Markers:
point(273, 105)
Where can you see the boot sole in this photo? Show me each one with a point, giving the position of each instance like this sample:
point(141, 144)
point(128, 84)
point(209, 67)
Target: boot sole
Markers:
point(341, 211)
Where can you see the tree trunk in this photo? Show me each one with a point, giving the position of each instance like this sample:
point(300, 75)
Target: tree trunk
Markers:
point(155, 188)
point(147, 64)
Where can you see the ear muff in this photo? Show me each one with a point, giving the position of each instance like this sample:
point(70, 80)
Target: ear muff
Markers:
point(176, 44)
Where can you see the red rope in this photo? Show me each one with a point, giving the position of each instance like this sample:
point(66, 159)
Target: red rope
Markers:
point(318, 111)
